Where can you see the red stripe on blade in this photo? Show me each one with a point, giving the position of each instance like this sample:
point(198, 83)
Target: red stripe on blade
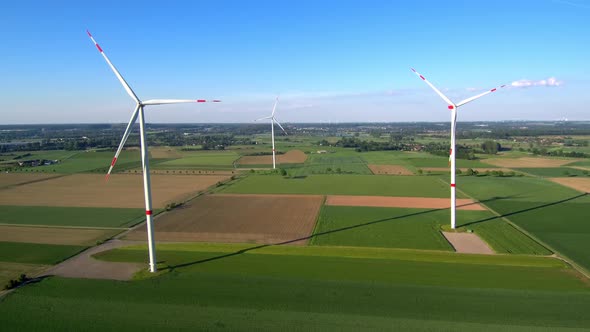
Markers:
point(216, 101)
point(148, 212)
point(88, 32)
point(494, 89)
point(201, 101)
point(450, 107)
point(452, 185)
point(422, 77)
point(114, 161)
point(99, 49)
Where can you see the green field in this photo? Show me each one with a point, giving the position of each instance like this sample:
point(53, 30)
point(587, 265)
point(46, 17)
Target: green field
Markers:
point(331, 164)
point(556, 172)
point(375, 185)
point(201, 160)
point(11, 270)
point(34, 253)
point(381, 227)
point(556, 215)
point(87, 161)
point(70, 216)
point(311, 288)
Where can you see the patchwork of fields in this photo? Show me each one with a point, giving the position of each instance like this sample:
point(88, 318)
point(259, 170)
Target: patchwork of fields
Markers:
point(348, 241)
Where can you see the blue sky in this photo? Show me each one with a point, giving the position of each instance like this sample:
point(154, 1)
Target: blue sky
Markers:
point(336, 61)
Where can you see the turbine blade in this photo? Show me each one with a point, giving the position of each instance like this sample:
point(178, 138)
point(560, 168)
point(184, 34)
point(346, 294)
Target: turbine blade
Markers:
point(275, 121)
point(266, 117)
point(434, 88)
point(121, 79)
point(178, 101)
point(123, 140)
point(275, 106)
point(463, 102)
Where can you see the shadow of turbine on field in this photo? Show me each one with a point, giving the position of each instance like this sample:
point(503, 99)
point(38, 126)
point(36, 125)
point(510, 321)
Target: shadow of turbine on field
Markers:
point(524, 210)
point(337, 230)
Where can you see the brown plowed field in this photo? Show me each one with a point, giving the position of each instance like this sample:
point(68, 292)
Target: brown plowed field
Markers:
point(468, 243)
point(55, 235)
point(528, 162)
point(390, 169)
point(13, 179)
point(238, 218)
point(402, 202)
point(192, 172)
point(580, 184)
point(121, 191)
point(291, 157)
point(464, 169)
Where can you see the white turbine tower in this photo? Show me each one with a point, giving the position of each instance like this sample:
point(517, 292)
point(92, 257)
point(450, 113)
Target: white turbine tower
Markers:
point(144, 149)
point(273, 120)
point(453, 107)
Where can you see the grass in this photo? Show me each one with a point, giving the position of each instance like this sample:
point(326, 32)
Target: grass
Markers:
point(304, 288)
point(89, 161)
point(200, 160)
point(381, 227)
point(556, 172)
point(34, 253)
point(320, 163)
point(70, 216)
point(11, 270)
point(375, 185)
point(556, 215)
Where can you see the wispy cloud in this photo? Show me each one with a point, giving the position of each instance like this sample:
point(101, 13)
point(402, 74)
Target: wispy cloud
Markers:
point(551, 81)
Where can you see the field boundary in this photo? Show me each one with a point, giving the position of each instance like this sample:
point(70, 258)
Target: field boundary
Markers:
point(62, 226)
point(556, 253)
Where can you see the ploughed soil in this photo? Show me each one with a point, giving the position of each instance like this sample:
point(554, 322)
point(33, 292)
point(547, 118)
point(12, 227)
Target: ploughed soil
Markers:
point(55, 235)
point(468, 243)
point(528, 162)
point(390, 170)
point(268, 219)
point(291, 157)
point(121, 191)
point(402, 202)
point(577, 183)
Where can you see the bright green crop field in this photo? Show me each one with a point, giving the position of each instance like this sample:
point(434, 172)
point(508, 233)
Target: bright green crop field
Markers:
point(70, 216)
point(374, 185)
point(331, 164)
point(200, 160)
point(314, 288)
point(556, 172)
point(554, 214)
point(89, 161)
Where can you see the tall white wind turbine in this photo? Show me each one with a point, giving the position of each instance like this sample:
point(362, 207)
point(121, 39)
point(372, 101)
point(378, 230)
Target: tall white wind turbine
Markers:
point(273, 120)
point(139, 106)
point(453, 107)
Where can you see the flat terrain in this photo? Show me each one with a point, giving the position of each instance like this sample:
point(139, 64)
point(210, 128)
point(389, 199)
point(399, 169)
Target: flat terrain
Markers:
point(464, 169)
point(36, 253)
point(12, 179)
point(369, 185)
point(390, 169)
point(290, 157)
point(579, 184)
point(402, 202)
point(528, 162)
point(468, 243)
point(199, 160)
point(54, 235)
point(238, 218)
point(70, 216)
point(121, 191)
point(224, 287)
point(12, 270)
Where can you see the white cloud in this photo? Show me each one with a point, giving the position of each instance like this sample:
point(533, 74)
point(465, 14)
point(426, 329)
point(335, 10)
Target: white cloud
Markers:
point(551, 81)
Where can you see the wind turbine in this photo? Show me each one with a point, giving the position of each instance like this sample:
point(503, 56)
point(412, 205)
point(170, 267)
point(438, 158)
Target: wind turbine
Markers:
point(453, 107)
point(139, 105)
point(273, 120)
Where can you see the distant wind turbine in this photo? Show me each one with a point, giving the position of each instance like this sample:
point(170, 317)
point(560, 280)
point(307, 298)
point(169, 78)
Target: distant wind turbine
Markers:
point(144, 149)
point(273, 120)
point(453, 107)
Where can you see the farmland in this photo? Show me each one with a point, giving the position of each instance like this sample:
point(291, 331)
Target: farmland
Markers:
point(336, 288)
point(376, 185)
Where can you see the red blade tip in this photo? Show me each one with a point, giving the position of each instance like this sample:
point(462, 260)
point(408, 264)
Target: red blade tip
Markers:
point(88, 32)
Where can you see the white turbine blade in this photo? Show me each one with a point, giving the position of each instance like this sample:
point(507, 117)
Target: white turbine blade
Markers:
point(463, 102)
point(266, 117)
point(275, 106)
point(434, 88)
point(123, 140)
point(178, 101)
point(121, 79)
point(275, 121)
